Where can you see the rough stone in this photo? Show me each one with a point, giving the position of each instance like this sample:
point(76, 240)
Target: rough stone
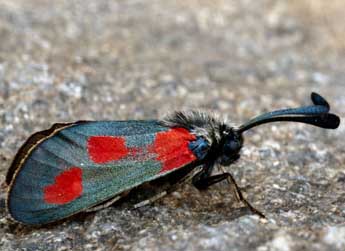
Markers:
point(75, 60)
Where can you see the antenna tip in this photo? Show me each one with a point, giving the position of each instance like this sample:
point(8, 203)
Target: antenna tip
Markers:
point(319, 100)
point(333, 121)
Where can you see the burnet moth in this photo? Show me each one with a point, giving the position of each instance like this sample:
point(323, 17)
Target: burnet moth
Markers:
point(87, 165)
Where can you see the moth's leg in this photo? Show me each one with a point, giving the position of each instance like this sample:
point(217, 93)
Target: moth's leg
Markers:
point(202, 182)
point(233, 187)
point(103, 205)
point(241, 197)
point(150, 200)
point(200, 179)
point(107, 203)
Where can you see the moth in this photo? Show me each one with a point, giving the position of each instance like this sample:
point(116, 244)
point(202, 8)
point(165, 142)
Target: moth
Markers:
point(88, 165)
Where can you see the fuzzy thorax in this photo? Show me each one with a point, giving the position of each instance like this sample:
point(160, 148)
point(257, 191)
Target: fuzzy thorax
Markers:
point(200, 124)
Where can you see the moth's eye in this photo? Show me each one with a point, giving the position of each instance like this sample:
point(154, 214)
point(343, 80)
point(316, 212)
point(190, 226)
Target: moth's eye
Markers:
point(231, 146)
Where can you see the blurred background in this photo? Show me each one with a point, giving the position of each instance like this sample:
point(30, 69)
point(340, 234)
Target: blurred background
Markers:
point(114, 60)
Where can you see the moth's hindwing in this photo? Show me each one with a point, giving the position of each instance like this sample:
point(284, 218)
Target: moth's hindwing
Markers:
point(87, 163)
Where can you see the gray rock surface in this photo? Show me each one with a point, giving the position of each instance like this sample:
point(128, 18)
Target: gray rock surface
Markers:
point(72, 60)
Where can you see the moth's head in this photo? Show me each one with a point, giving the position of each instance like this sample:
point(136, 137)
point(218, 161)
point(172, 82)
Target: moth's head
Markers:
point(231, 146)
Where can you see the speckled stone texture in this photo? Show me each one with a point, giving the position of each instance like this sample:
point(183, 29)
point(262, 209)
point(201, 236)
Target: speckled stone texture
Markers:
point(71, 60)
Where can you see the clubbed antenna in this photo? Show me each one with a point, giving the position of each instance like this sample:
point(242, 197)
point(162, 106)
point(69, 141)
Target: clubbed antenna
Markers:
point(316, 115)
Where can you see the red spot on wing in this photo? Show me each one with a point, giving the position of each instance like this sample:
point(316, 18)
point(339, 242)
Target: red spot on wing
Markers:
point(67, 187)
point(172, 148)
point(104, 149)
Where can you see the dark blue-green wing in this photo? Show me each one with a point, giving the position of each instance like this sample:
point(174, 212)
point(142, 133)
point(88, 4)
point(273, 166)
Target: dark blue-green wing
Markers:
point(73, 167)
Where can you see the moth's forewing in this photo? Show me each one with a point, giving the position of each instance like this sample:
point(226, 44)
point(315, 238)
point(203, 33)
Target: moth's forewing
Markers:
point(84, 164)
point(30, 144)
